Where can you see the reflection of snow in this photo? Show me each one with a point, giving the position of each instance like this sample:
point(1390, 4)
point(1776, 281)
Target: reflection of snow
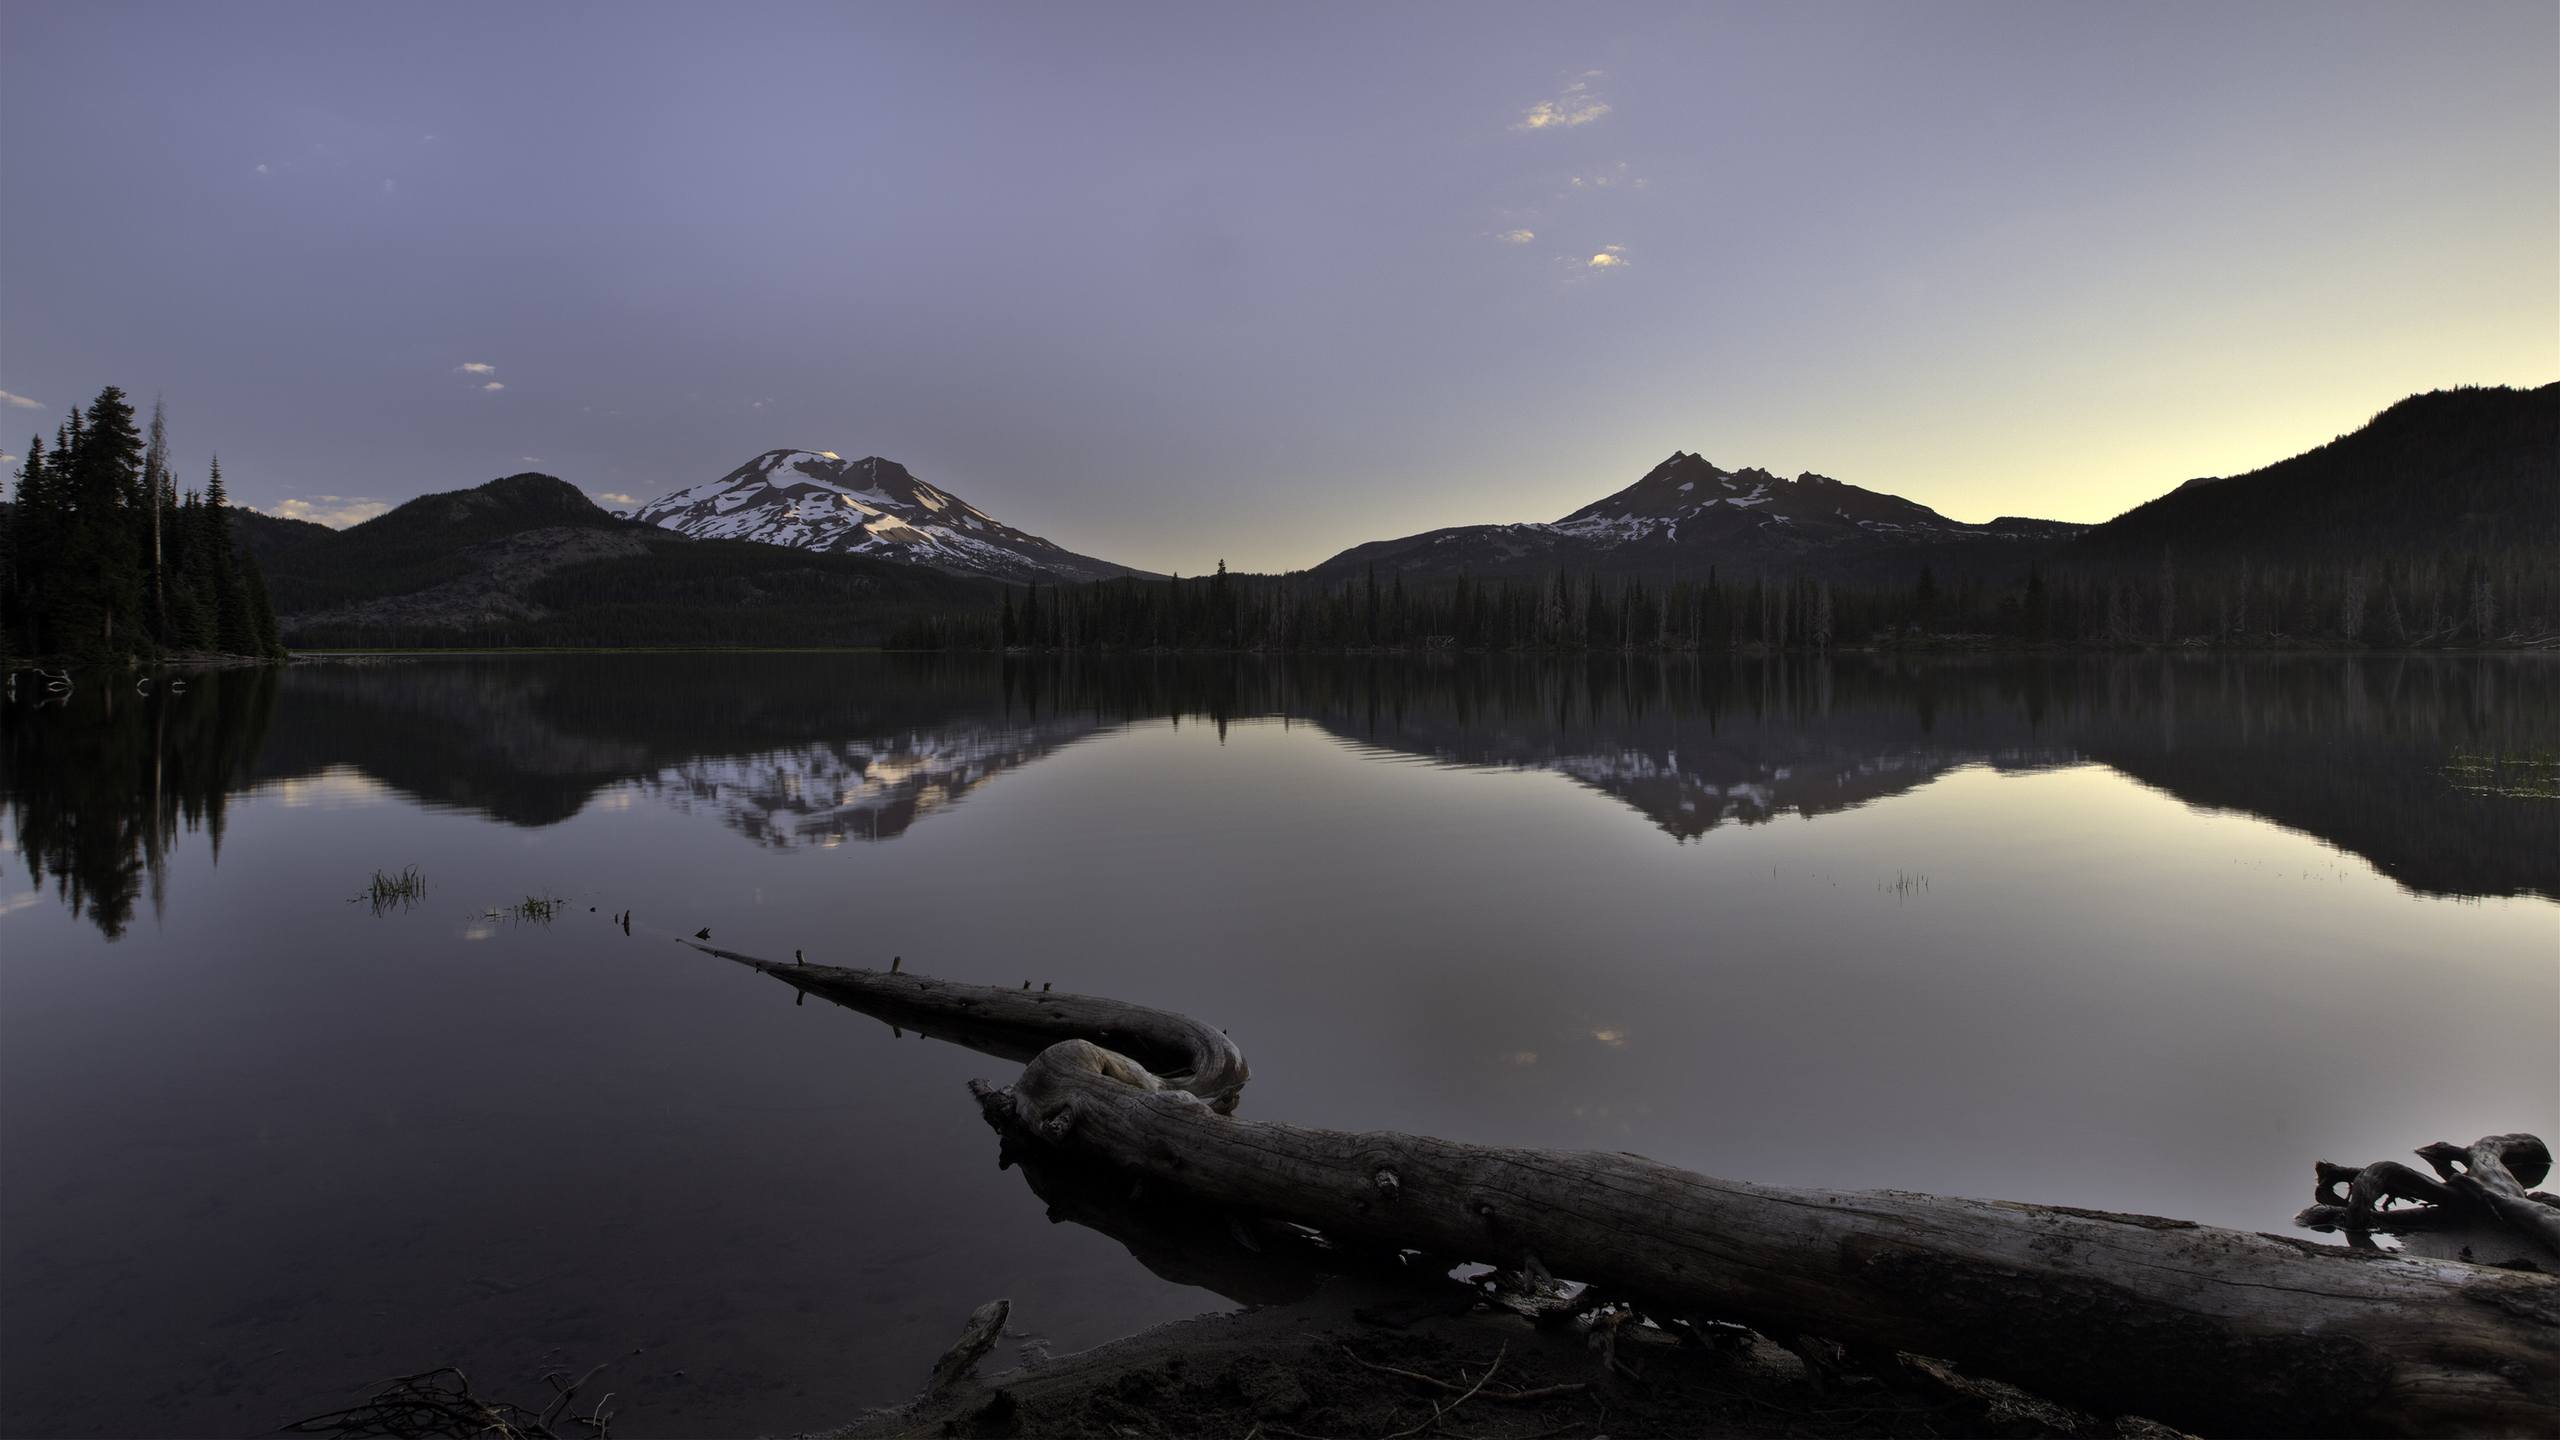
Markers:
point(1692, 793)
point(863, 789)
point(337, 788)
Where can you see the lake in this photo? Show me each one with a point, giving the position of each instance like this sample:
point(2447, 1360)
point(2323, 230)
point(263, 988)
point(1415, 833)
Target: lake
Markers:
point(2145, 934)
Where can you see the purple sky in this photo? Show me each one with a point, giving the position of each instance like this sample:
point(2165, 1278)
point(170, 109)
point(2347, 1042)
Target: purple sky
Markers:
point(1175, 283)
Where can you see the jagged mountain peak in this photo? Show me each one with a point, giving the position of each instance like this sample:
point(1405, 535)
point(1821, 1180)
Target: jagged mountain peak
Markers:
point(818, 500)
point(1686, 514)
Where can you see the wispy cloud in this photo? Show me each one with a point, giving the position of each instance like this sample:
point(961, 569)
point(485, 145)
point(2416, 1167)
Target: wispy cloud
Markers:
point(528, 459)
point(1575, 105)
point(19, 402)
point(389, 187)
point(764, 404)
point(476, 367)
point(335, 511)
point(1609, 257)
point(8, 459)
point(495, 385)
point(614, 497)
point(1515, 237)
point(1608, 177)
point(263, 170)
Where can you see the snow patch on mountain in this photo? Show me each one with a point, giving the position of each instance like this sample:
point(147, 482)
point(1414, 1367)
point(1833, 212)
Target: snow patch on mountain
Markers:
point(817, 500)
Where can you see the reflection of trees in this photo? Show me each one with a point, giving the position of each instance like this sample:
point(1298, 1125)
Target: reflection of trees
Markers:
point(97, 788)
point(2355, 751)
point(2379, 756)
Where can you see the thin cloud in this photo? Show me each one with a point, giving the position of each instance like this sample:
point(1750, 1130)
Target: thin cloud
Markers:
point(388, 187)
point(495, 385)
point(1608, 177)
point(764, 403)
point(1609, 257)
point(19, 402)
point(335, 511)
point(263, 170)
point(528, 459)
point(614, 497)
point(8, 459)
point(1516, 237)
point(1574, 106)
point(476, 367)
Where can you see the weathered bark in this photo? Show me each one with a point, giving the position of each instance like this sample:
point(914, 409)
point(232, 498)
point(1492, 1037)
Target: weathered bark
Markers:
point(2211, 1329)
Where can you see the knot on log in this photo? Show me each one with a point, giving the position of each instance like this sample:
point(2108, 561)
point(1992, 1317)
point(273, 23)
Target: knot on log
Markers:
point(1387, 1183)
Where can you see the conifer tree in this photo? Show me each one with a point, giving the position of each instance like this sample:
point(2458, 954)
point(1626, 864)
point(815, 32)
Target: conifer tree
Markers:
point(236, 627)
point(155, 466)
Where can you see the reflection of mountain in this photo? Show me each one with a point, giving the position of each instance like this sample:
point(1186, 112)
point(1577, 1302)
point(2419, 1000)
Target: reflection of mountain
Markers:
point(2356, 752)
point(843, 790)
point(532, 740)
point(1693, 747)
point(2378, 756)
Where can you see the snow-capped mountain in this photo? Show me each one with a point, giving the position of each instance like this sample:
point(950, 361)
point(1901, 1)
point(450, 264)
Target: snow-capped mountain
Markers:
point(818, 500)
point(1687, 514)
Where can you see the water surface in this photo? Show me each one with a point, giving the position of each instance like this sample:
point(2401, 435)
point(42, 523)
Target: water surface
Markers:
point(2138, 934)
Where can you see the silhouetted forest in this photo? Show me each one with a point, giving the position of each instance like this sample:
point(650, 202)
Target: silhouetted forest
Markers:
point(101, 556)
point(2446, 601)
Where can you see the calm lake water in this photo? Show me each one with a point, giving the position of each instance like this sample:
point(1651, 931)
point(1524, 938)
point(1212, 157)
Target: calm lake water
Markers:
point(2141, 934)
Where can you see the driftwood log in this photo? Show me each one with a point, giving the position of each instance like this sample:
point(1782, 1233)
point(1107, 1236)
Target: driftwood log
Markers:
point(2214, 1330)
point(2475, 1207)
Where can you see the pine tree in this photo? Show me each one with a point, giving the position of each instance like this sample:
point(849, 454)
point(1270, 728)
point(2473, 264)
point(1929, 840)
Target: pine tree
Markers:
point(94, 600)
point(235, 626)
point(29, 543)
point(155, 469)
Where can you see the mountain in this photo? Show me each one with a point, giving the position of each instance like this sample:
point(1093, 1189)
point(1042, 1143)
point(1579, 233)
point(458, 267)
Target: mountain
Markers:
point(530, 560)
point(1686, 515)
point(2474, 472)
point(817, 500)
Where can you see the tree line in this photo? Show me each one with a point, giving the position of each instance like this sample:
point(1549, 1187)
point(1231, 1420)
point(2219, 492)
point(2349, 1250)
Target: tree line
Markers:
point(2444, 602)
point(102, 557)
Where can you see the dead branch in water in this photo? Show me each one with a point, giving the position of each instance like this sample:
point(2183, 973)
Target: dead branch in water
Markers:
point(2124, 1314)
point(441, 1403)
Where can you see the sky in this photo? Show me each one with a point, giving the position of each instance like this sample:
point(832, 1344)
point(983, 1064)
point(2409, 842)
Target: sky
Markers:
point(1171, 284)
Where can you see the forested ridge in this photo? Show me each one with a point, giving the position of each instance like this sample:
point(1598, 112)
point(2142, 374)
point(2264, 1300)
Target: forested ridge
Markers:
point(2440, 601)
point(2435, 525)
point(103, 557)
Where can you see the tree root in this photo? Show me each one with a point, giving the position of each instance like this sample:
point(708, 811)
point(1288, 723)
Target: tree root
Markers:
point(2478, 1187)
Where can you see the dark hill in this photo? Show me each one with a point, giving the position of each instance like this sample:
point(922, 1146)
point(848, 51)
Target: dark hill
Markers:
point(2474, 471)
point(530, 560)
